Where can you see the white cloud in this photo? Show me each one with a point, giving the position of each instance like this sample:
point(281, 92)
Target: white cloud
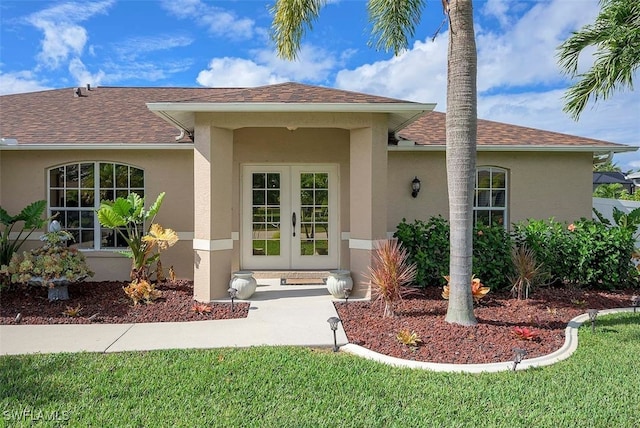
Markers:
point(133, 48)
point(18, 82)
point(524, 53)
point(237, 72)
point(418, 74)
point(218, 21)
point(63, 37)
point(314, 64)
point(82, 76)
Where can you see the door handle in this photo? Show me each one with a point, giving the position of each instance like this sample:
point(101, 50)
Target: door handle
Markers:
point(293, 220)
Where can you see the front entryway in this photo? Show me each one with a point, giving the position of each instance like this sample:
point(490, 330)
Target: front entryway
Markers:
point(289, 217)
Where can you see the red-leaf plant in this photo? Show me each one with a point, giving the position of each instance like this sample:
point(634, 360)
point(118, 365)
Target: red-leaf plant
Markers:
point(525, 333)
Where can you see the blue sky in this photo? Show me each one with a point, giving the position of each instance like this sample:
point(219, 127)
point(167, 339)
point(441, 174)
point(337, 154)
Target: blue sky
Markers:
point(56, 44)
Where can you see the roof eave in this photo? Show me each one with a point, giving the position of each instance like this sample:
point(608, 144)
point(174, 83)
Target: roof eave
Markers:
point(99, 146)
point(520, 148)
point(181, 115)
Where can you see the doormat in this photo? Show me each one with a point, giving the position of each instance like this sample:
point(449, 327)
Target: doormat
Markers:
point(303, 281)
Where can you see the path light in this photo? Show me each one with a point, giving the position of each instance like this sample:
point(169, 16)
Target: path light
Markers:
point(519, 355)
point(232, 293)
point(635, 302)
point(347, 292)
point(593, 314)
point(333, 323)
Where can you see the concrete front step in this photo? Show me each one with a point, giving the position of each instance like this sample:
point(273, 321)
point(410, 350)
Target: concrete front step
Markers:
point(290, 274)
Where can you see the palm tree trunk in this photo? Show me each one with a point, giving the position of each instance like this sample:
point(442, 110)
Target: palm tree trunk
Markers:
point(461, 124)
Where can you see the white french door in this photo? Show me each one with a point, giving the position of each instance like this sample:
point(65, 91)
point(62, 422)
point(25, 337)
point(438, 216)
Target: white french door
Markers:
point(289, 217)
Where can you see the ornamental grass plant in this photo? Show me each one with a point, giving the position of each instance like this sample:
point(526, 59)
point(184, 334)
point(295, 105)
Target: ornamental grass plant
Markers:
point(390, 273)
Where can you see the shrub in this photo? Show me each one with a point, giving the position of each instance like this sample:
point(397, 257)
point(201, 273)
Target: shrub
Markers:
point(492, 256)
point(427, 243)
point(585, 253)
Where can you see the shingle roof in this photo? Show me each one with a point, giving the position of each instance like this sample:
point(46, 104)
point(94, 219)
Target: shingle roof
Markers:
point(119, 115)
point(430, 130)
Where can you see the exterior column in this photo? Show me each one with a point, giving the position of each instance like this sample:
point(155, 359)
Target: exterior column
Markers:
point(212, 243)
point(368, 200)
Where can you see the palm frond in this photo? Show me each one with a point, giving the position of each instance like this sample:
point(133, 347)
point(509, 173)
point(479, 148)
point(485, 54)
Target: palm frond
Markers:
point(394, 22)
point(291, 18)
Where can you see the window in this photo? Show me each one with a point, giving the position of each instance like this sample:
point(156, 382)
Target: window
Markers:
point(75, 192)
point(490, 201)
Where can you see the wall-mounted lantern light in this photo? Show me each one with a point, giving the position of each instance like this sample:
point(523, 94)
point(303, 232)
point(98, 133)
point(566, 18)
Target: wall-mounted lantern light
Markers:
point(415, 187)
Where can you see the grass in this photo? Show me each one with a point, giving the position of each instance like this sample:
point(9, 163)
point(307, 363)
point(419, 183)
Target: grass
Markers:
point(299, 387)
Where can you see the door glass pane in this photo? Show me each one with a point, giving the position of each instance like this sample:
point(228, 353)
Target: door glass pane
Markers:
point(314, 200)
point(265, 221)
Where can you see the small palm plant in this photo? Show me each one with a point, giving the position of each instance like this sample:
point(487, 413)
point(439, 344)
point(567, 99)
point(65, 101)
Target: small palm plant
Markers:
point(390, 273)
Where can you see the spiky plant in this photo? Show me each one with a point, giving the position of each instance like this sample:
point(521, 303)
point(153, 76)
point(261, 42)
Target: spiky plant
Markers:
point(528, 274)
point(390, 273)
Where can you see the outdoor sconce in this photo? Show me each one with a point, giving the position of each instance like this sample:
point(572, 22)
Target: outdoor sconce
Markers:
point(519, 356)
point(333, 323)
point(415, 187)
point(635, 302)
point(232, 293)
point(593, 314)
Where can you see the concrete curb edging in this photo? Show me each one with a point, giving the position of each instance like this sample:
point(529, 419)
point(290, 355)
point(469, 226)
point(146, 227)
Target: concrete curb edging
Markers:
point(565, 351)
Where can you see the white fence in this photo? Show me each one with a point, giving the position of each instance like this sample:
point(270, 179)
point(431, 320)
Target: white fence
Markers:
point(605, 207)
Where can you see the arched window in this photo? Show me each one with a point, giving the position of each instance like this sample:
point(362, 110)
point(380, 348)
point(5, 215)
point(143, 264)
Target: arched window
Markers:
point(491, 196)
point(76, 190)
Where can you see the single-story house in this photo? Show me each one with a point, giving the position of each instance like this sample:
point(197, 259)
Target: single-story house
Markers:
point(280, 177)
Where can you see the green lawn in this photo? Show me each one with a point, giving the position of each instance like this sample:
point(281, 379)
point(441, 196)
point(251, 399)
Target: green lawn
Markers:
point(298, 387)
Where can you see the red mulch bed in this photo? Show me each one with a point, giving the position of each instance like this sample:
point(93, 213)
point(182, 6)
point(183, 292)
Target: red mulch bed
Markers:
point(108, 300)
point(492, 340)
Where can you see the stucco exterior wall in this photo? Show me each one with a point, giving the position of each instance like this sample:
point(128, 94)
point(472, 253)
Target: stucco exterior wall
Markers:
point(281, 146)
point(24, 180)
point(541, 185)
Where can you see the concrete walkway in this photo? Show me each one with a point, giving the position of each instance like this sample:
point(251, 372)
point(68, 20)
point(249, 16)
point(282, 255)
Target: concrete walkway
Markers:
point(278, 315)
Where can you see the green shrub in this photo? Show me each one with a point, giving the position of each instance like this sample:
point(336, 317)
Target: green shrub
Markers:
point(492, 256)
point(585, 253)
point(428, 245)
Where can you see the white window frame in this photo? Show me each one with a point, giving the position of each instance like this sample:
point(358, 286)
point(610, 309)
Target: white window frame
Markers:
point(494, 194)
point(97, 228)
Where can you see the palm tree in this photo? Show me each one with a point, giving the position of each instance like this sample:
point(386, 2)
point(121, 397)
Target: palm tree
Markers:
point(616, 37)
point(394, 21)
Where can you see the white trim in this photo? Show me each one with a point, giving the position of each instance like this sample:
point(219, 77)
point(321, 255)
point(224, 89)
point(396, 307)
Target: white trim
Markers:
point(213, 245)
point(519, 148)
point(344, 236)
point(235, 236)
point(390, 107)
point(101, 146)
point(35, 236)
point(362, 244)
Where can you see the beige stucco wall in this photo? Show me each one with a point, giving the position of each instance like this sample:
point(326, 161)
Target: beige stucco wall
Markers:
point(541, 185)
point(24, 180)
point(281, 146)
